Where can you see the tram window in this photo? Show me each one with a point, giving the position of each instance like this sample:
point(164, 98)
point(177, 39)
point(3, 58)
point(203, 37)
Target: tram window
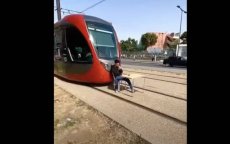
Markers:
point(57, 44)
point(103, 38)
point(78, 49)
point(58, 37)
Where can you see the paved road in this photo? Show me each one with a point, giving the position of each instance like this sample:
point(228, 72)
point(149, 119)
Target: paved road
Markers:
point(154, 126)
point(150, 65)
point(151, 126)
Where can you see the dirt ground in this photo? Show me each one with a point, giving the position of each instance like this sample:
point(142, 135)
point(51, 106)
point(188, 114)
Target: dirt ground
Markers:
point(75, 122)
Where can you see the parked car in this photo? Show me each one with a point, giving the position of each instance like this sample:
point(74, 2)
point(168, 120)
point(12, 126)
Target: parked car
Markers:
point(173, 60)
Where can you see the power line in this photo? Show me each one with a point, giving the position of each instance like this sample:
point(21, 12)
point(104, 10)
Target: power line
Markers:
point(63, 10)
point(92, 6)
point(67, 10)
point(72, 10)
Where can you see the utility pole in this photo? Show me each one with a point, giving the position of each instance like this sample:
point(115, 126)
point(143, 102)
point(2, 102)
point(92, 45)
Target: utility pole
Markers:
point(58, 9)
point(180, 28)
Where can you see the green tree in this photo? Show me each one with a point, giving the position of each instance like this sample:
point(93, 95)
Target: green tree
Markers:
point(140, 47)
point(174, 43)
point(148, 39)
point(129, 44)
point(184, 37)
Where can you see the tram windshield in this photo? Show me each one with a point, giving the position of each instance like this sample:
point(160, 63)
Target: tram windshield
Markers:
point(103, 39)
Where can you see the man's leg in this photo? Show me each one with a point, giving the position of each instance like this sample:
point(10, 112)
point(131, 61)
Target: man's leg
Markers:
point(128, 81)
point(117, 79)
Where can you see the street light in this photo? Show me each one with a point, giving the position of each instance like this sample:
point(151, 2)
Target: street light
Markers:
point(180, 27)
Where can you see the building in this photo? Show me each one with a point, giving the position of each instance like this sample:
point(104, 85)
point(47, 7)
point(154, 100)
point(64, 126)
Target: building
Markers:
point(163, 40)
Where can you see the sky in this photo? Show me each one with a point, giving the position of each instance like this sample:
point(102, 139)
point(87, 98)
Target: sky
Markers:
point(132, 18)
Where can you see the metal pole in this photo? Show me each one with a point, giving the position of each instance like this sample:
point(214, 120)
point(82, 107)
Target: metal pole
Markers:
point(179, 33)
point(58, 9)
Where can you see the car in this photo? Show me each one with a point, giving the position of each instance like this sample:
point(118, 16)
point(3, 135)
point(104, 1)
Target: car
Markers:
point(175, 60)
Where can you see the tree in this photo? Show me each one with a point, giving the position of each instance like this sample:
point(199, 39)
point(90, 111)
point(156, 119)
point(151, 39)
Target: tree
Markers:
point(129, 44)
point(148, 39)
point(140, 47)
point(184, 37)
point(174, 43)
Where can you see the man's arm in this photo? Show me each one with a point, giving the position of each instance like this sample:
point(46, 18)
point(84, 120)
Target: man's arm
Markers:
point(115, 71)
point(120, 71)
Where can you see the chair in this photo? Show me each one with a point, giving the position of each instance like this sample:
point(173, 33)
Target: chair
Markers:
point(120, 82)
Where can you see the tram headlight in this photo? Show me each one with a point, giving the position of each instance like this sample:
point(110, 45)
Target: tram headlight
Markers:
point(105, 65)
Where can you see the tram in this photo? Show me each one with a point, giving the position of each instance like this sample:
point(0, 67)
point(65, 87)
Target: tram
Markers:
point(85, 47)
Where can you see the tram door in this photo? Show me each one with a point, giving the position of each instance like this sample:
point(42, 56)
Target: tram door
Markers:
point(79, 56)
point(59, 50)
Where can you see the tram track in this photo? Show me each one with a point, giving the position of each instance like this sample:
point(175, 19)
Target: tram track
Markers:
point(162, 114)
point(155, 74)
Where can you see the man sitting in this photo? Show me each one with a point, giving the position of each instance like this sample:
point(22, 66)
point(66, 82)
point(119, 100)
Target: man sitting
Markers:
point(117, 71)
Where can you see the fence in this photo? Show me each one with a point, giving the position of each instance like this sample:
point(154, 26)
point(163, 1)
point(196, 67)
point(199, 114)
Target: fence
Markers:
point(144, 55)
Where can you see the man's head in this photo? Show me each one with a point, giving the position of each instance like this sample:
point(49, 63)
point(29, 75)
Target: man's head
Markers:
point(117, 62)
